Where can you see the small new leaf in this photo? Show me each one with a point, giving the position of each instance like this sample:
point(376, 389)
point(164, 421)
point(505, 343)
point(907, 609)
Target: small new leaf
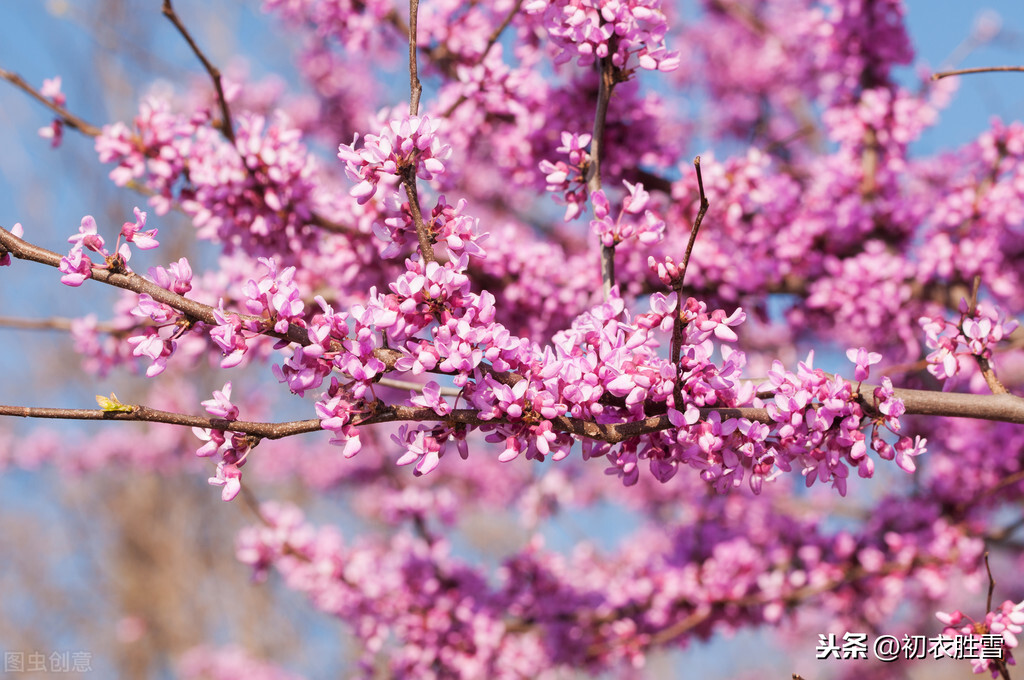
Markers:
point(112, 404)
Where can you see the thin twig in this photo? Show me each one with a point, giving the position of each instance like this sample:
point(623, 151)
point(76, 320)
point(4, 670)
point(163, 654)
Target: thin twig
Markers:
point(68, 118)
point(991, 584)
point(678, 324)
point(984, 365)
point(139, 413)
point(55, 324)
point(696, 222)
point(415, 89)
point(608, 80)
point(226, 126)
point(408, 175)
point(984, 69)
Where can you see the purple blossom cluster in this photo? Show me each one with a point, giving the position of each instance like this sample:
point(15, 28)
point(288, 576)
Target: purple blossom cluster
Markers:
point(648, 229)
point(254, 191)
point(615, 29)
point(405, 143)
point(55, 130)
point(232, 447)
point(1005, 621)
point(568, 180)
point(973, 335)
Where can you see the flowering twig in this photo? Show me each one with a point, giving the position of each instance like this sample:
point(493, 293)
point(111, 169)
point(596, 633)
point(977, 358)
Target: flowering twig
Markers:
point(604, 96)
point(984, 365)
point(678, 325)
point(408, 173)
point(90, 130)
point(139, 413)
point(68, 118)
point(983, 69)
point(226, 126)
point(998, 407)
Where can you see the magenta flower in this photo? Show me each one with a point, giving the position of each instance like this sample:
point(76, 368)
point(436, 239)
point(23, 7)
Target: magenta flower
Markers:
point(402, 142)
point(132, 231)
point(863, 360)
point(229, 477)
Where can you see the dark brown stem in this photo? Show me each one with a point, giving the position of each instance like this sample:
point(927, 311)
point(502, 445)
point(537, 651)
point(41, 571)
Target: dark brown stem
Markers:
point(604, 96)
point(678, 325)
point(414, 77)
point(408, 175)
point(225, 125)
point(696, 223)
point(139, 413)
point(991, 584)
point(68, 118)
point(984, 365)
point(984, 69)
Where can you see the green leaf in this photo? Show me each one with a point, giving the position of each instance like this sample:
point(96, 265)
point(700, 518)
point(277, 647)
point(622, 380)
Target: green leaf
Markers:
point(112, 404)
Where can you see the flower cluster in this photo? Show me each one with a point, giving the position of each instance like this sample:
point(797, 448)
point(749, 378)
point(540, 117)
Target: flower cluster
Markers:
point(256, 194)
point(55, 130)
point(155, 153)
point(973, 335)
point(648, 230)
point(448, 225)
point(1006, 621)
point(232, 447)
point(76, 265)
point(569, 179)
point(618, 29)
point(408, 142)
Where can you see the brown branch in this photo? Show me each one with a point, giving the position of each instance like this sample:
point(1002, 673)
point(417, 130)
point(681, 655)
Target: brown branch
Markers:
point(991, 584)
point(678, 325)
point(225, 124)
point(851, 576)
point(984, 365)
point(23, 250)
point(408, 175)
point(139, 413)
point(984, 69)
point(68, 118)
point(696, 224)
point(608, 80)
point(53, 323)
point(998, 407)
point(415, 89)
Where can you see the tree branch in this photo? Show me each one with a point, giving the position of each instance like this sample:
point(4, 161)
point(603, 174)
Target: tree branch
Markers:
point(678, 325)
point(68, 118)
point(984, 69)
point(139, 413)
point(226, 125)
point(415, 89)
point(998, 407)
point(604, 96)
